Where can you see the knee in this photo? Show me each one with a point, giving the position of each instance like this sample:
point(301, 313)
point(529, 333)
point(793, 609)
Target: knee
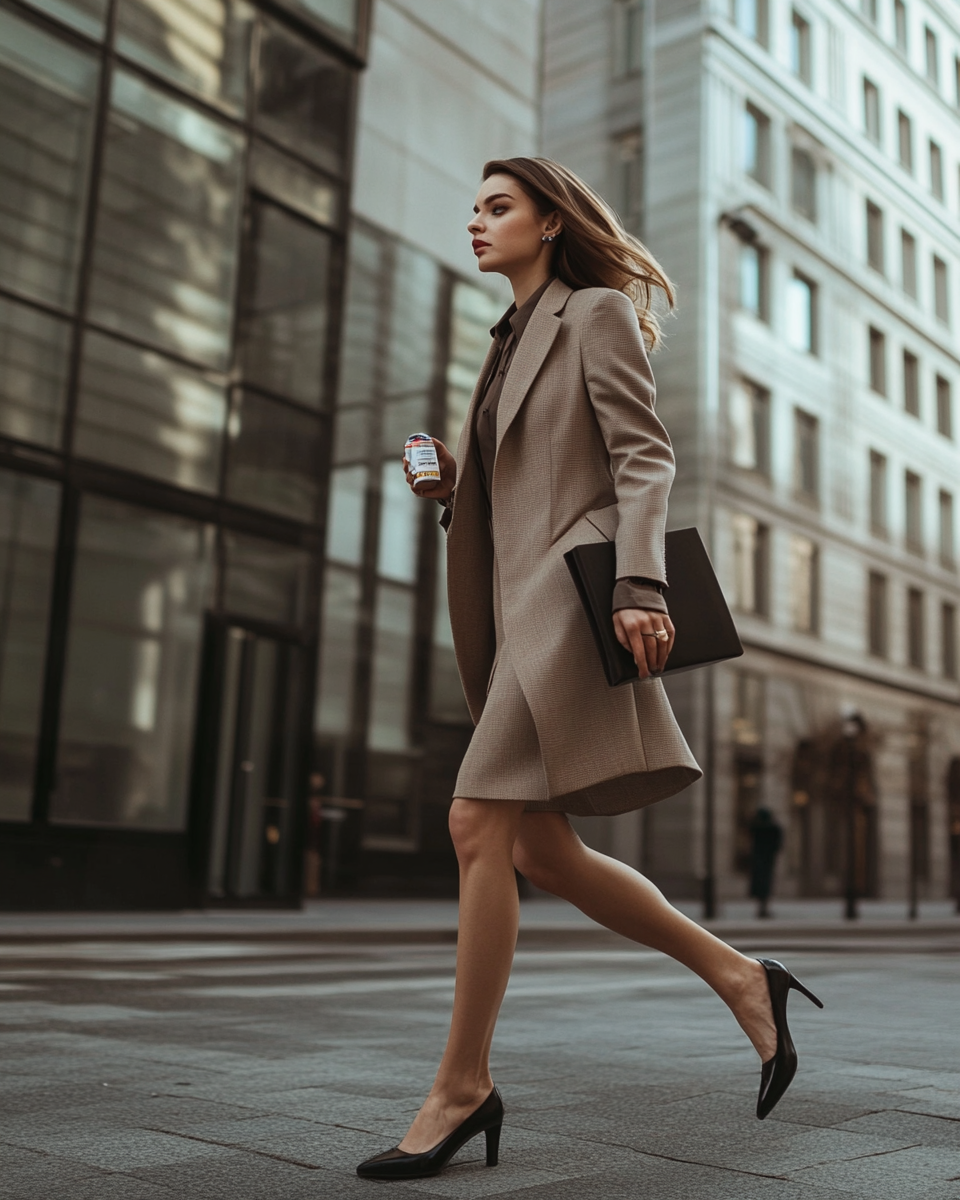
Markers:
point(545, 854)
point(535, 868)
point(474, 828)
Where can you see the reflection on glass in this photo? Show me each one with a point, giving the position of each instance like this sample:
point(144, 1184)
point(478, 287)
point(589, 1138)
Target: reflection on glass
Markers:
point(28, 536)
point(47, 93)
point(303, 97)
point(200, 45)
point(89, 16)
point(283, 320)
point(277, 175)
point(141, 411)
point(361, 324)
point(141, 583)
point(340, 14)
point(33, 373)
point(399, 524)
point(447, 702)
point(389, 727)
point(341, 605)
point(274, 457)
point(413, 311)
point(165, 254)
point(400, 419)
point(348, 488)
point(266, 580)
point(473, 315)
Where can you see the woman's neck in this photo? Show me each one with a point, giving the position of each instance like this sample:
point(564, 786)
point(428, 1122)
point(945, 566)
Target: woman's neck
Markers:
point(526, 283)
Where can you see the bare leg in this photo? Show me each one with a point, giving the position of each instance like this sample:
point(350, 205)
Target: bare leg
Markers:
point(552, 857)
point(483, 833)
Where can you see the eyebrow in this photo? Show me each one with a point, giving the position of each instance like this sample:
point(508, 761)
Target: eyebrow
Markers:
point(495, 196)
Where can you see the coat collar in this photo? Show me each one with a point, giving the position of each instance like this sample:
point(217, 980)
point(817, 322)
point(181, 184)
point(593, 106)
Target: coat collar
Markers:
point(542, 329)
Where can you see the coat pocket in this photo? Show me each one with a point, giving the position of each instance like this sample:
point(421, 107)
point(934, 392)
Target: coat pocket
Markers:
point(606, 520)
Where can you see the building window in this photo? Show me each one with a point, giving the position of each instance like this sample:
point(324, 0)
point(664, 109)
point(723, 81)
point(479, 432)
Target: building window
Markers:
point(754, 271)
point(932, 56)
point(948, 640)
point(916, 638)
point(944, 407)
point(751, 542)
point(869, 10)
point(750, 427)
point(801, 313)
point(756, 145)
point(908, 263)
point(936, 170)
point(905, 140)
point(956, 81)
point(803, 188)
point(947, 536)
point(806, 462)
point(628, 166)
point(913, 511)
point(750, 17)
point(878, 494)
point(875, 256)
point(804, 584)
point(941, 290)
point(911, 383)
point(877, 614)
point(628, 37)
point(871, 111)
point(878, 361)
point(800, 40)
point(900, 25)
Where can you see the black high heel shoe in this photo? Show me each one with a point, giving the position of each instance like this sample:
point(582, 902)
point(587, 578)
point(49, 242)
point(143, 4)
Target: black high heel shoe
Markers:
point(777, 1073)
point(397, 1164)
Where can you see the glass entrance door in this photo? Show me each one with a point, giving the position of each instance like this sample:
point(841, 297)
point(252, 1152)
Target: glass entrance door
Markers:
point(251, 768)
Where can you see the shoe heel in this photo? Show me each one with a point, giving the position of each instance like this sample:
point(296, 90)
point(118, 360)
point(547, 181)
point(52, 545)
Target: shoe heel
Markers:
point(798, 987)
point(493, 1146)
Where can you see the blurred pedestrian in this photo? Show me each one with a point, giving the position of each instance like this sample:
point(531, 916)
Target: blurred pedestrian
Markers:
point(766, 836)
point(561, 445)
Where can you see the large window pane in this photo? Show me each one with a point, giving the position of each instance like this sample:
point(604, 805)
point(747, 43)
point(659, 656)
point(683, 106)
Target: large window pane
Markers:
point(400, 513)
point(200, 45)
point(366, 280)
point(341, 606)
point(298, 187)
point(165, 256)
point(28, 535)
point(345, 514)
point(474, 312)
point(89, 16)
point(392, 663)
point(341, 15)
point(141, 411)
point(283, 324)
point(274, 457)
point(265, 579)
point(141, 585)
point(33, 373)
point(413, 310)
point(47, 92)
point(303, 97)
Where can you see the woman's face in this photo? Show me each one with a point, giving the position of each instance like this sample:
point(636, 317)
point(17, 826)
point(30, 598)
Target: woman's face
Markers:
point(507, 229)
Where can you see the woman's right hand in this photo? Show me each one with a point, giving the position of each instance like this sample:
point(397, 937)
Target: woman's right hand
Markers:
point(448, 475)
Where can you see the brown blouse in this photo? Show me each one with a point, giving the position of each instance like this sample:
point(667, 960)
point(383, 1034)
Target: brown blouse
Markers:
point(628, 593)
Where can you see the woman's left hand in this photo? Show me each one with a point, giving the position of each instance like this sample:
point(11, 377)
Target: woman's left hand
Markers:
point(637, 629)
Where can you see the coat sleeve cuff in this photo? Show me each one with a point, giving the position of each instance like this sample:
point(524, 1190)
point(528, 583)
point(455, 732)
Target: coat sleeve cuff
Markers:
point(630, 593)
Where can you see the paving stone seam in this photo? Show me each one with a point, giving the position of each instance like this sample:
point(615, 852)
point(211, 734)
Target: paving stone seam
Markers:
point(192, 1137)
point(829, 1162)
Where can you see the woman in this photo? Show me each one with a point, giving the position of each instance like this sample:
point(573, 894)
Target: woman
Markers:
point(561, 446)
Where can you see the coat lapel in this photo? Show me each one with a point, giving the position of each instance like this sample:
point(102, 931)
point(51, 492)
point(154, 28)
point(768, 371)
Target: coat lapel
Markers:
point(533, 349)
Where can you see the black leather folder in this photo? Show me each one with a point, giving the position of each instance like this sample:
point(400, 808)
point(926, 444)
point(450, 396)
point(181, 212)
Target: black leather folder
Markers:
point(705, 629)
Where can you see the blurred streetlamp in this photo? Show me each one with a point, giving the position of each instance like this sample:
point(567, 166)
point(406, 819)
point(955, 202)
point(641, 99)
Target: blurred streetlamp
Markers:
point(852, 728)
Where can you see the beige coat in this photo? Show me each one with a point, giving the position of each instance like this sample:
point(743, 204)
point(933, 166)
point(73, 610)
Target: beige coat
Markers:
point(581, 456)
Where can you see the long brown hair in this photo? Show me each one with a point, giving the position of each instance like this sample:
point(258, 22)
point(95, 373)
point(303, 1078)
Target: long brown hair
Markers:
point(594, 249)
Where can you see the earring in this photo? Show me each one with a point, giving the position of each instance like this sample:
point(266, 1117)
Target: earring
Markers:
point(550, 238)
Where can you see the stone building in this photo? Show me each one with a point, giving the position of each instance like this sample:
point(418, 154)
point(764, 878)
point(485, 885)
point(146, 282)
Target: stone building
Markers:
point(796, 168)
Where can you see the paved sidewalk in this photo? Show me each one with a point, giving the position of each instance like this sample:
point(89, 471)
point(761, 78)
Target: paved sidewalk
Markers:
point(265, 1067)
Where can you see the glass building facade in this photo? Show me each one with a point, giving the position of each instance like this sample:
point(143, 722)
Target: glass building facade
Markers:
point(174, 184)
